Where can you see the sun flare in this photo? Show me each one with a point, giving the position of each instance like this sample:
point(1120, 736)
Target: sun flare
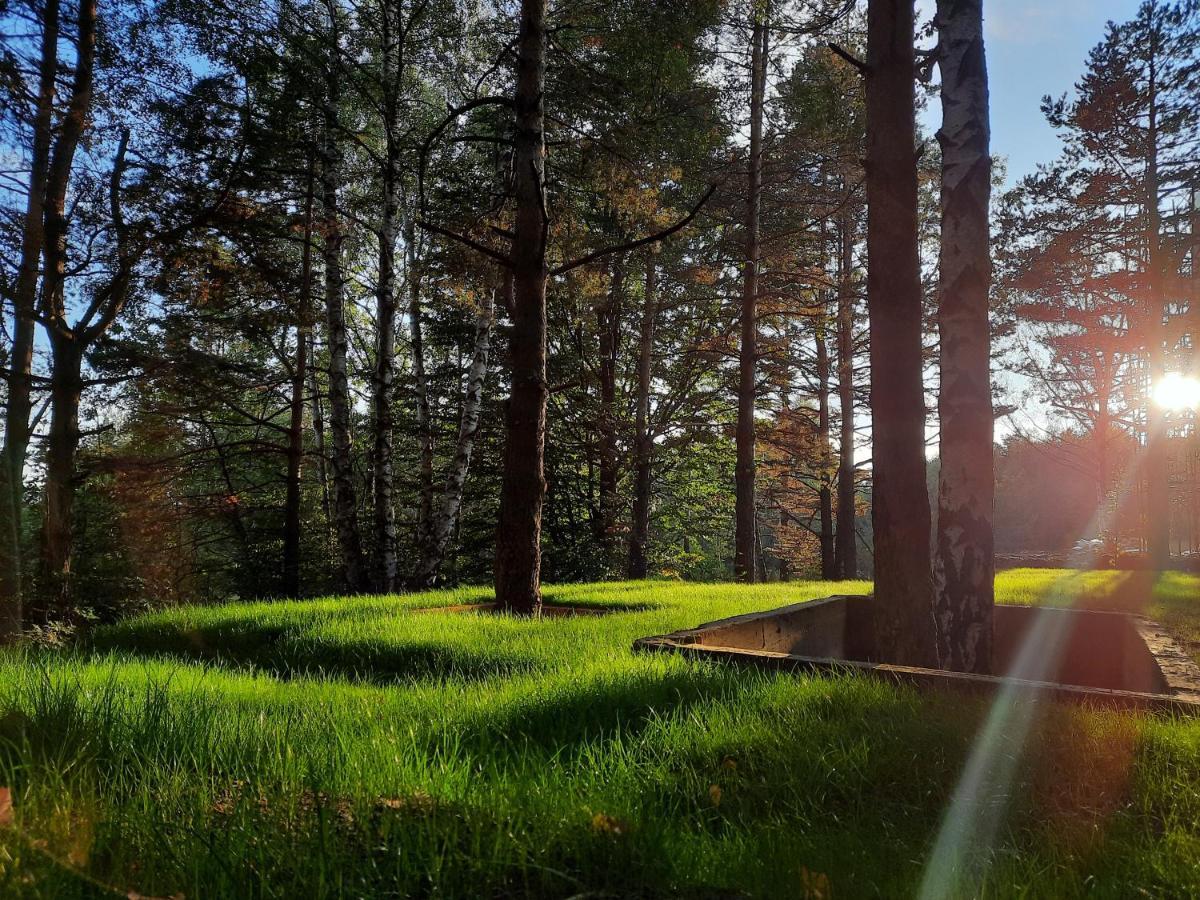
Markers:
point(1177, 392)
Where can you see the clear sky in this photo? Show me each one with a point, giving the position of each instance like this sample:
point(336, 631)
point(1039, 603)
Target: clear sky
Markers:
point(1034, 47)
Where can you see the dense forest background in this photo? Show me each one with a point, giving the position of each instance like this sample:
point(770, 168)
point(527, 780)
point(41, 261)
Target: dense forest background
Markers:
point(256, 343)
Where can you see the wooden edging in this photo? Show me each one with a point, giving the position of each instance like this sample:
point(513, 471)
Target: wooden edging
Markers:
point(1181, 704)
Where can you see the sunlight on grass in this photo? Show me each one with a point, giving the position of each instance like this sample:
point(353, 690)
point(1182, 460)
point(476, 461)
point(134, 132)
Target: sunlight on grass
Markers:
point(354, 747)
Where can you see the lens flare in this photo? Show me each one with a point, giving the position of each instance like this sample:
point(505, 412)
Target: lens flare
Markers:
point(1177, 392)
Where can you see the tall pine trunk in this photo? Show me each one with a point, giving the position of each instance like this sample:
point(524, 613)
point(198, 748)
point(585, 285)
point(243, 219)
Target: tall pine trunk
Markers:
point(62, 443)
point(639, 533)
point(20, 381)
point(745, 538)
point(608, 321)
point(295, 444)
point(966, 565)
point(445, 518)
point(66, 347)
point(846, 550)
point(383, 383)
point(904, 597)
point(825, 490)
point(1158, 492)
point(345, 495)
point(424, 418)
point(523, 488)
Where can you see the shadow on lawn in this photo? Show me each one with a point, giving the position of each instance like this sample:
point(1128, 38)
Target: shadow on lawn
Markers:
point(290, 652)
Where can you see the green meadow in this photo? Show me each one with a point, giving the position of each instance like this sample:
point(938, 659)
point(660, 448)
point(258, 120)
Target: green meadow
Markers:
point(371, 747)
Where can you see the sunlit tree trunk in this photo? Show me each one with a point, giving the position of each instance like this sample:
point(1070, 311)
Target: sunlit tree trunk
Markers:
point(445, 518)
point(345, 495)
point(966, 566)
point(384, 381)
point(523, 489)
point(608, 321)
point(639, 533)
point(295, 444)
point(421, 408)
point(847, 544)
point(824, 490)
point(383, 384)
point(745, 506)
point(904, 597)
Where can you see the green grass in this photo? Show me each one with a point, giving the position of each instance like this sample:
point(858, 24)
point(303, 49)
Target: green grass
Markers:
point(358, 748)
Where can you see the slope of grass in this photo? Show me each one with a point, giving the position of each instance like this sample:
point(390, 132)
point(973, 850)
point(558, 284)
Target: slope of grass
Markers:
point(365, 748)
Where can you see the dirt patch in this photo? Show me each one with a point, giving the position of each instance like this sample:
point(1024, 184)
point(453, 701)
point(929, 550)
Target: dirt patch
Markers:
point(549, 611)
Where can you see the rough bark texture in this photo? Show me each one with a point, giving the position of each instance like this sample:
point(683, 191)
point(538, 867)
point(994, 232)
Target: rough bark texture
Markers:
point(825, 492)
point(62, 443)
point(295, 445)
point(966, 567)
point(639, 533)
point(846, 549)
point(20, 382)
point(67, 346)
point(392, 34)
point(421, 411)
point(519, 524)
point(608, 322)
point(904, 597)
point(442, 524)
point(318, 420)
point(383, 383)
point(345, 499)
point(745, 534)
point(10, 557)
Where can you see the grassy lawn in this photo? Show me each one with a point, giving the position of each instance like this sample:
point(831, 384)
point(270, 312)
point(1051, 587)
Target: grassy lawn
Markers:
point(360, 748)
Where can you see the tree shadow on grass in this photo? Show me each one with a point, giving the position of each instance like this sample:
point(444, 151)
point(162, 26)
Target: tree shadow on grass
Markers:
point(289, 652)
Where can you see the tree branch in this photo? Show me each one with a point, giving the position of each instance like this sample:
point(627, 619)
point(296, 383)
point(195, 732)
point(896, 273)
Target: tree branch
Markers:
point(469, 242)
point(640, 242)
point(849, 57)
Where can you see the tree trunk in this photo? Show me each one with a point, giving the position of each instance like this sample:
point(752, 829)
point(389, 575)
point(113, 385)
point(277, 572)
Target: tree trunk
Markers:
point(608, 321)
point(825, 492)
point(66, 348)
point(345, 499)
point(1158, 493)
point(904, 599)
point(639, 533)
point(519, 524)
point(744, 540)
point(20, 381)
point(318, 418)
point(966, 565)
point(392, 34)
point(295, 445)
point(424, 419)
point(442, 526)
point(385, 377)
point(847, 543)
point(62, 442)
point(10, 558)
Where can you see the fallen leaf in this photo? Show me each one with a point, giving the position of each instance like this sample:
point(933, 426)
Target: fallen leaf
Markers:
point(714, 794)
point(603, 823)
point(816, 884)
point(6, 808)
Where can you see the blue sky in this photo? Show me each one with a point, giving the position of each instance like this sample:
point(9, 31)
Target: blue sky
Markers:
point(1034, 47)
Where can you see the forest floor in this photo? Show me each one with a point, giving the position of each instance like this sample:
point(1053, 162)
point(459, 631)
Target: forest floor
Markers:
point(358, 747)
